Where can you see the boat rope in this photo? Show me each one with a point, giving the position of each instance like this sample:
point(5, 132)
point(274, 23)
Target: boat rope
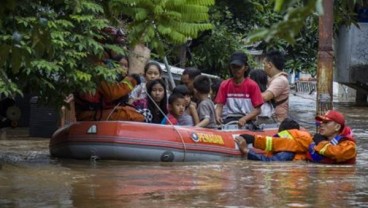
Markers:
point(180, 135)
point(117, 105)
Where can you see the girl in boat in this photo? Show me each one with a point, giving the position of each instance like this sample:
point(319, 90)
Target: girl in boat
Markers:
point(154, 106)
point(152, 71)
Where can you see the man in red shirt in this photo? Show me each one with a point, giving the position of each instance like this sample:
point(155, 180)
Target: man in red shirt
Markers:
point(239, 98)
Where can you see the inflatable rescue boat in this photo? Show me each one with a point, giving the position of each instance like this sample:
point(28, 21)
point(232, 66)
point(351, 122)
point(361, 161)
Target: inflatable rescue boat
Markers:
point(135, 141)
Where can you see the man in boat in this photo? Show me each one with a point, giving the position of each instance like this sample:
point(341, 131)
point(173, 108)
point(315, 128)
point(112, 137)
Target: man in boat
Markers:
point(188, 76)
point(238, 98)
point(278, 87)
point(334, 144)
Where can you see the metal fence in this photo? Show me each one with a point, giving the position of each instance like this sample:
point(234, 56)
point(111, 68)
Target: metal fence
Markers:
point(305, 86)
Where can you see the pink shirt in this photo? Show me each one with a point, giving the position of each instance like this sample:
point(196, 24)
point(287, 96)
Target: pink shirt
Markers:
point(279, 87)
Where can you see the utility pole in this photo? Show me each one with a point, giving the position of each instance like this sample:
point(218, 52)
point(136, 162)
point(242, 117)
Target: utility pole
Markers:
point(325, 59)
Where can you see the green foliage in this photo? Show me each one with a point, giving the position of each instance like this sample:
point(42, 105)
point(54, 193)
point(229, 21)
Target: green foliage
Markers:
point(290, 26)
point(294, 14)
point(212, 56)
point(50, 48)
point(160, 22)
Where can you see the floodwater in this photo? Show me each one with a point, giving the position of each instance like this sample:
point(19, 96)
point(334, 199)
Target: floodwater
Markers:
point(30, 178)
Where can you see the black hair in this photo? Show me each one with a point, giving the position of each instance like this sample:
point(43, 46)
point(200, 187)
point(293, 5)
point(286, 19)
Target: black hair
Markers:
point(215, 85)
point(202, 84)
point(181, 89)
point(288, 124)
point(192, 72)
point(276, 58)
point(154, 63)
point(260, 77)
point(151, 105)
point(174, 97)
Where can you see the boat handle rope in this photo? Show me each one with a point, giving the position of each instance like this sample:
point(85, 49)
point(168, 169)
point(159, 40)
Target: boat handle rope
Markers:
point(108, 117)
point(180, 135)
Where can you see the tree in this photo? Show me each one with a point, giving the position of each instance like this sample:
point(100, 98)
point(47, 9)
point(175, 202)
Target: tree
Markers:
point(160, 22)
point(50, 48)
point(295, 13)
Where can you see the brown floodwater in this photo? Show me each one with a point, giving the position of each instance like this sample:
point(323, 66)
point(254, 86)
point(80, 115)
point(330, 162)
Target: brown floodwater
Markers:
point(30, 178)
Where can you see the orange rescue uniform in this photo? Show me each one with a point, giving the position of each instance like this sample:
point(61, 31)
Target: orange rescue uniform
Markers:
point(342, 152)
point(111, 92)
point(296, 141)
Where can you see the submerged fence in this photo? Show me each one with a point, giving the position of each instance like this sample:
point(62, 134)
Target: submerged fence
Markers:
point(305, 86)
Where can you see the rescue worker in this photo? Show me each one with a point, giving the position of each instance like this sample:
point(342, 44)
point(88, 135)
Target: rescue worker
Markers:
point(337, 145)
point(109, 102)
point(290, 143)
point(334, 144)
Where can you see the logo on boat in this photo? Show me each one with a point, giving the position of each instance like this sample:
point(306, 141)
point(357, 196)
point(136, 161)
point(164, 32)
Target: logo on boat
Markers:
point(207, 138)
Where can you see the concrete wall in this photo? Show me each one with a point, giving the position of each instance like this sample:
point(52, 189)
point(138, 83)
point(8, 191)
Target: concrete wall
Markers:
point(352, 54)
point(343, 93)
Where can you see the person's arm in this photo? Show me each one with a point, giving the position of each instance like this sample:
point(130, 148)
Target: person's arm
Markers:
point(299, 143)
point(193, 112)
point(134, 94)
point(343, 151)
point(113, 91)
point(218, 111)
point(250, 116)
point(276, 88)
point(203, 123)
point(267, 95)
point(257, 102)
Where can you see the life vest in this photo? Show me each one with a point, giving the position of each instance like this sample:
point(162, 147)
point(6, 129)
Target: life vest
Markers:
point(318, 157)
point(302, 140)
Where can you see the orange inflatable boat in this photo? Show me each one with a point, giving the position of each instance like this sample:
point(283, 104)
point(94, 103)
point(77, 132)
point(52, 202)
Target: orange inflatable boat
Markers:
point(134, 141)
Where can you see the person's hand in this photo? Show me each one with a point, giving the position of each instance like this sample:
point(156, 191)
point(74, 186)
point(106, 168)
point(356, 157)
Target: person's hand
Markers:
point(317, 138)
point(241, 122)
point(242, 144)
point(248, 138)
point(219, 119)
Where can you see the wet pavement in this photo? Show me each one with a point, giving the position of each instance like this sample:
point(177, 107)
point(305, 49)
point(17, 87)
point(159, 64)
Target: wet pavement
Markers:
point(30, 178)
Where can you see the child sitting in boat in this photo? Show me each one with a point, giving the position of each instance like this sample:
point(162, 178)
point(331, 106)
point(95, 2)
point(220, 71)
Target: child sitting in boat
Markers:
point(206, 107)
point(154, 106)
point(152, 71)
point(190, 115)
point(176, 109)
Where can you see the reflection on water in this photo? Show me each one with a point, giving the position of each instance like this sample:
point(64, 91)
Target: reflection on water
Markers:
point(29, 178)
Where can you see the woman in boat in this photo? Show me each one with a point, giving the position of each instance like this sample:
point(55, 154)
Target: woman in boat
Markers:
point(152, 71)
point(154, 106)
point(334, 144)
